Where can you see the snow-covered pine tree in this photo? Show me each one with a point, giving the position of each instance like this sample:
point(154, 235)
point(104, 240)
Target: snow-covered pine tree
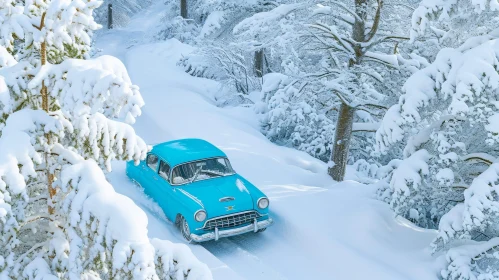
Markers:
point(447, 120)
point(440, 106)
point(62, 119)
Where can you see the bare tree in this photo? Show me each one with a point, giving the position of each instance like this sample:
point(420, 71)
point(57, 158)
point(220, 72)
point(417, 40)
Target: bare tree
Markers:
point(110, 16)
point(183, 8)
point(357, 48)
point(259, 57)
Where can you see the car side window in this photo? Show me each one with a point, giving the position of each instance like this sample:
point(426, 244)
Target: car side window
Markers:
point(152, 162)
point(164, 170)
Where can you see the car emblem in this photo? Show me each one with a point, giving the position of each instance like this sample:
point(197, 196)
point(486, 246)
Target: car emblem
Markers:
point(229, 208)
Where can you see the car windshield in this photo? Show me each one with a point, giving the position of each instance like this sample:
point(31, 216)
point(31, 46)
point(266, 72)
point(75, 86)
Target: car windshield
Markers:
point(201, 170)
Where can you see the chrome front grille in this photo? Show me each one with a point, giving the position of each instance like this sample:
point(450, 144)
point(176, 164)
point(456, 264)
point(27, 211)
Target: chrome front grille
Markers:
point(232, 220)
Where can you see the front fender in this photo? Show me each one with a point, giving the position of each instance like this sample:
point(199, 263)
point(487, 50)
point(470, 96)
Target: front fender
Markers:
point(255, 193)
point(186, 205)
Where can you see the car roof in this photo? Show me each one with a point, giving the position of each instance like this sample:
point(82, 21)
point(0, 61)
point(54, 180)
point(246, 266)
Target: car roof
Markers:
point(186, 150)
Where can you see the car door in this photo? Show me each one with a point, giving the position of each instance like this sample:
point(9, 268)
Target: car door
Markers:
point(165, 191)
point(150, 179)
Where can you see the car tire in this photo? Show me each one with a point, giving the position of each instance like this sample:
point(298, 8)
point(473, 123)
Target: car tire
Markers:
point(184, 229)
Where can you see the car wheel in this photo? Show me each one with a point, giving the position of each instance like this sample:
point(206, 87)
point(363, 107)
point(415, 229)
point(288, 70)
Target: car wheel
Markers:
point(261, 230)
point(184, 229)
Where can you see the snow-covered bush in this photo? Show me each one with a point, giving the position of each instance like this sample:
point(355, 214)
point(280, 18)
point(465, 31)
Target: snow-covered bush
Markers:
point(227, 64)
point(62, 120)
point(185, 30)
point(288, 115)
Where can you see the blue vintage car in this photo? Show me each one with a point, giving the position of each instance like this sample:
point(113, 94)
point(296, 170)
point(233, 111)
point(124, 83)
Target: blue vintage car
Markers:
point(195, 185)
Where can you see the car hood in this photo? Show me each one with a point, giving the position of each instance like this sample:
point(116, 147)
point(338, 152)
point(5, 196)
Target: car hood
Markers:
point(220, 196)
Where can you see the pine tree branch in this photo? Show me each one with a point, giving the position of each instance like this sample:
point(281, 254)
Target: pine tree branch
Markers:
point(482, 157)
point(34, 219)
point(38, 198)
point(32, 249)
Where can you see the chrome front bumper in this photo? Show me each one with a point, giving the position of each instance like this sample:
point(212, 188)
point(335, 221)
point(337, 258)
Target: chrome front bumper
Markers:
point(255, 226)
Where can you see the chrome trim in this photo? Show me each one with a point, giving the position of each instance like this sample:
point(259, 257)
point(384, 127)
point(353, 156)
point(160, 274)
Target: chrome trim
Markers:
point(230, 215)
point(258, 202)
point(197, 213)
point(227, 198)
point(255, 226)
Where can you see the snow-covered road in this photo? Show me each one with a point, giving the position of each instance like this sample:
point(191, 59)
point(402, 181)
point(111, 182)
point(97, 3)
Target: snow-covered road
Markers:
point(322, 230)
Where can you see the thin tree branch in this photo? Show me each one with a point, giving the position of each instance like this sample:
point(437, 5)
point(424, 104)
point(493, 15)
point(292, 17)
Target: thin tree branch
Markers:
point(42, 22)
point(482, 157)
point(373, 59)
point(383, 40)
point(378, 106)
point(328, 31)
point(341, 97)
point(341, 5)
point(375, 26)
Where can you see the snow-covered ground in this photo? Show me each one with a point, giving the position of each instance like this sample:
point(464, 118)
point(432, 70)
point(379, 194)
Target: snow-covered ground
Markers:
point(322, 230)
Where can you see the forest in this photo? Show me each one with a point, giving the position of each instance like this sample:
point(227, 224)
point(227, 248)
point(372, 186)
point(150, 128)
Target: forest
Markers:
point(397, 100)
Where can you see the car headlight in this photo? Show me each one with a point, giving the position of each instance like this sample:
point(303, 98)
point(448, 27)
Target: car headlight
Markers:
point(263, 203)
point(200, 215)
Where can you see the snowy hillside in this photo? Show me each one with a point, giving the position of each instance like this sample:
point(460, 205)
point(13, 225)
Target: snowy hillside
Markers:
point(322, 230)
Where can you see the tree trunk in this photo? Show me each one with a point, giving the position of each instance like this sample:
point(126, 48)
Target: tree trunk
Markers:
point(110, 16)
point(259, 63)
point(183, 8)
point(341, 143)
point(343, 134)
point(45, 107)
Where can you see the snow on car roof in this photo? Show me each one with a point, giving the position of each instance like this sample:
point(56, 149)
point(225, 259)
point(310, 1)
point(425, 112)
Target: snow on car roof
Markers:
point(185, 150)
